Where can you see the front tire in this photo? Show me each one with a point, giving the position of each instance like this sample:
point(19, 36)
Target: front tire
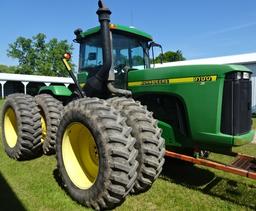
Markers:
point(95, 154)
point(21, 127)
point(149, 142)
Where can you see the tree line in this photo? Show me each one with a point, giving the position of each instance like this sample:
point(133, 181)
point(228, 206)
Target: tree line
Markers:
point(37, 56)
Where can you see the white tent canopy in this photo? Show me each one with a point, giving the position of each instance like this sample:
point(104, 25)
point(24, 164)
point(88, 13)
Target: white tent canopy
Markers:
point(235, 59)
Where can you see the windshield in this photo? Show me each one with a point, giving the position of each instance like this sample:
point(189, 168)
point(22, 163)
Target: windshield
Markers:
point(128, 52)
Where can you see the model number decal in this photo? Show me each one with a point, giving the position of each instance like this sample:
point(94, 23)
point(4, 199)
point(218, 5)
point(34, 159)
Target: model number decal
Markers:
point(204, 78)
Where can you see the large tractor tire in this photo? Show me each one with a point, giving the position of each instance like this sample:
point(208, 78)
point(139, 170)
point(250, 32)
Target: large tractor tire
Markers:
point(50, 111)
point(95, 154)
point(149, 143)
point(21, 127)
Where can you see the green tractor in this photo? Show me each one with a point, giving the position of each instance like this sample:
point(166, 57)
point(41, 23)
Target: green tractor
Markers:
point(105, 149)
point(105, 133)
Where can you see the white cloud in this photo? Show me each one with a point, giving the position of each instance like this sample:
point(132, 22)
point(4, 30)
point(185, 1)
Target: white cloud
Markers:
point(233, 28)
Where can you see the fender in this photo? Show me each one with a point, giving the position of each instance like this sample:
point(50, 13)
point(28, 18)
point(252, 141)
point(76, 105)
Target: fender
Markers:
point(56, 90)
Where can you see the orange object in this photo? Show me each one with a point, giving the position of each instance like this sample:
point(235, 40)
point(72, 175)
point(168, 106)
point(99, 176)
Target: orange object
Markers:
point(112, 26)
point(67, 56)
point(241, 166)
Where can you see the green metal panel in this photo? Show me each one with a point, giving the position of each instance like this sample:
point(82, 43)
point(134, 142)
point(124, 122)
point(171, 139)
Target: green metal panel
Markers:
point(184, 71)
point(90, 31)
point(202, 99)
point(244, 139)
point(168, 133)
point(117, 27)
point(82, 78)
point(172, 138)
point(56, 90)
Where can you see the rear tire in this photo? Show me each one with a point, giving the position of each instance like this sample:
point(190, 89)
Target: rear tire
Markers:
point(21, 127)
point(50, 111)
point(149, 142)
point(97, 171)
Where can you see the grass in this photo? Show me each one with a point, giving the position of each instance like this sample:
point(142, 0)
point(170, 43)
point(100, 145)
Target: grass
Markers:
point(32, 185)
point(254, 123)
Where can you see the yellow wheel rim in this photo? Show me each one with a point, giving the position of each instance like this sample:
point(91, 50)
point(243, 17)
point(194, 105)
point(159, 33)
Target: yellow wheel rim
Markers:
point(44, 127)
point(10, 128)
point(80, 155)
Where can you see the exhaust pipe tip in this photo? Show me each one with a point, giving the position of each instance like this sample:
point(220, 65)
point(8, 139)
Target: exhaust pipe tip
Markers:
point(103, 12)
point(101, 4)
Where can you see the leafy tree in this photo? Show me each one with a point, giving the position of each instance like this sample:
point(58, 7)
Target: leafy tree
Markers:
point(137, 60)
point(171, 56)
point(7, 69)
point(38, 57)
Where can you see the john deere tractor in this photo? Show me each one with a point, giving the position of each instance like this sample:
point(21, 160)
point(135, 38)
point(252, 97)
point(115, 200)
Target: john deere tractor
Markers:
point(105, 149)
point(105, 133)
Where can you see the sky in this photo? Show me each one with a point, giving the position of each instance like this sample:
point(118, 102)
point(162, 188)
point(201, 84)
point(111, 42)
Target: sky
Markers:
point(199, 28)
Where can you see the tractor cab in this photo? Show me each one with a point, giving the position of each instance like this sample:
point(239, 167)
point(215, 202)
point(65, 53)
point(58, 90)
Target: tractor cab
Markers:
point(130, 51)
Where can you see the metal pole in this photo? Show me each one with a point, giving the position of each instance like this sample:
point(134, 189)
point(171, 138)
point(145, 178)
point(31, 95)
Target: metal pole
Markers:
point(2, 83)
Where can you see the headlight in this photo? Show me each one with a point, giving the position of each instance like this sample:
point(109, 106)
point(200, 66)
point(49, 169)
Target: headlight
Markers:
point(246, 75)
point(238, 76)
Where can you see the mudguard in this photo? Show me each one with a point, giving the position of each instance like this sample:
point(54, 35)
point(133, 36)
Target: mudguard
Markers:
point(56, 90)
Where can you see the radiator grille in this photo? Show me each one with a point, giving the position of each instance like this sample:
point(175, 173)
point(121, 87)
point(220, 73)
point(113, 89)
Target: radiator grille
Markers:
point(236, 105)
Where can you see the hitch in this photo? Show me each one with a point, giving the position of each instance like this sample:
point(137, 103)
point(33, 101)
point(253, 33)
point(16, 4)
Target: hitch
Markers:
point(243, 165)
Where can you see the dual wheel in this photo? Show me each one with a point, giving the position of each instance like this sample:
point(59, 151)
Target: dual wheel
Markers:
point(21, 127)
point(104, 149)
point(29, 125)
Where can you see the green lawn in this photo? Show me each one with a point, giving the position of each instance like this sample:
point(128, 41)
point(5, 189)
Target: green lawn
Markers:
point(32, 185)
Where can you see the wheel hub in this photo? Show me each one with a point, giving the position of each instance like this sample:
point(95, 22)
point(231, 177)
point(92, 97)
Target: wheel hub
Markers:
point(44, 127)
point(10, 127)
point(80, 155)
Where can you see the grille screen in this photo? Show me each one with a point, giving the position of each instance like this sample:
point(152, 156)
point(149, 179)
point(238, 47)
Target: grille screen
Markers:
point(236, 106)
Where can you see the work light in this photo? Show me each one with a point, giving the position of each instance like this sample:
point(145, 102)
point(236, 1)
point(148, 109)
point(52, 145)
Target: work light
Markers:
point(246, 75)
point(238, 75)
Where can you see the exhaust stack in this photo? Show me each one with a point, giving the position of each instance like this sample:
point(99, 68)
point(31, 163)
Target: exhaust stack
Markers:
point(97, 85)
point(104, 19)
point(101, 85)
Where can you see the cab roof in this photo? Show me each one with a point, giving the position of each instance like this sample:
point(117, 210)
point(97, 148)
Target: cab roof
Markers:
point(117, 27)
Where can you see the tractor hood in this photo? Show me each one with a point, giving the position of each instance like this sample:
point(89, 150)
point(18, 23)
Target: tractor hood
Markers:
point(181, 74)
point(209, 95)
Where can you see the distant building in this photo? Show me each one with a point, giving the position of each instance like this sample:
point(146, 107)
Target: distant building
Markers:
point(28, 84)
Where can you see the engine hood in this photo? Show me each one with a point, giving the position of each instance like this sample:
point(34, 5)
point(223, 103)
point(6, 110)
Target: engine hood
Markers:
point(192, 72)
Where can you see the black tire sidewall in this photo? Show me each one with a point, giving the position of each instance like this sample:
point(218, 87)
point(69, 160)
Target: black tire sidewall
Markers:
point(9, 150)
point(143, 129)
point(50, 117)
point(93, 191)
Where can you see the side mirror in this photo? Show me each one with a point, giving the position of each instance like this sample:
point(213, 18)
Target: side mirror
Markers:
point(152, 45)
point(78, 32)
